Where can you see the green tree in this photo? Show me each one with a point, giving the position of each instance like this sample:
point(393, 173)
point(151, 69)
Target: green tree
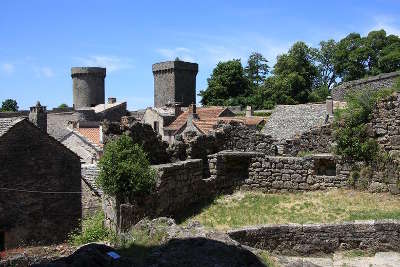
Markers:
point(351, 58)
point(325, 59)
point(63, 105)
point(374, 43)
point(125, 169)
point(9, 105)
point(226, 81)
point(256, 69)
point(295, 75)
point(389, 58)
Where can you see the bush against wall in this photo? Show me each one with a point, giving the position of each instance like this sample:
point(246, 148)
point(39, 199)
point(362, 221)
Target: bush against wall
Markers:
point(125, 169)
point(350, 126)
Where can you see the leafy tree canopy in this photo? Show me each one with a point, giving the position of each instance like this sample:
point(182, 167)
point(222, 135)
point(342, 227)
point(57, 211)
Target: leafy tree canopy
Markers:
point(256, 69)
point(63, 105)
point(9, 105)
point(303, 74)
point(227, 81)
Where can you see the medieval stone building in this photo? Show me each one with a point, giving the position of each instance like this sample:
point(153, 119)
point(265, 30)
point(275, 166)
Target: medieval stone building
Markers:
point(40, 185)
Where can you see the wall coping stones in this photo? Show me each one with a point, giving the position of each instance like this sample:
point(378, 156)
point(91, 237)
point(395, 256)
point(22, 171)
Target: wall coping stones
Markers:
point(176, 164)
point(382, 76)
point(249, 154)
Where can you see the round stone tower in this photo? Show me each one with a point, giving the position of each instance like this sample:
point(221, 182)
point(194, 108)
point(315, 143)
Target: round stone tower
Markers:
point(88, 86)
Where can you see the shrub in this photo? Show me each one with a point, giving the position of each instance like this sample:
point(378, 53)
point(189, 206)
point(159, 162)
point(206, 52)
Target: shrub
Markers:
point(350, 126)
point(125, 169)
point(92, 230)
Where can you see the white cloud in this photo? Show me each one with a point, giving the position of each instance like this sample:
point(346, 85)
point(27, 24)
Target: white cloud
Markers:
point(7, 68)
point(183, 53)
point(388, 23)
point(209, 50)
point(46, 72)
point(112, 63)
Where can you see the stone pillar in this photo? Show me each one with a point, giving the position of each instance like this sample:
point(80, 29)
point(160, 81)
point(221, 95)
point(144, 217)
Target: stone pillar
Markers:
point(38, 116)
point(174, 82)
point(329, 106)
point(88, 86)
point(249, 111)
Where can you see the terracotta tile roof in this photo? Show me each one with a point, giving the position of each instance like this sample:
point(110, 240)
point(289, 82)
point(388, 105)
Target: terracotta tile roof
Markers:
point(92, 134)
point(204, 113)
point(209, 118)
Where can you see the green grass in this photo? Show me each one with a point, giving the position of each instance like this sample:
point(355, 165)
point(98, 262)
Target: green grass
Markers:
point(266, 258)
point(252, 208)
point(92, 229)
point(357, 253)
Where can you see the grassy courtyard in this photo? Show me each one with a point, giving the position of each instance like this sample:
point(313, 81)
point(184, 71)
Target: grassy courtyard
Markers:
point(252, 208)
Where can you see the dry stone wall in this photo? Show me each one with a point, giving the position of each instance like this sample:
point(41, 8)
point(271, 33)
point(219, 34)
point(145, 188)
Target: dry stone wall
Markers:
point(297, 239)
point(385, 80)
point(179, 185)
point(91, 193)
point(256, 171)
point(317, 140)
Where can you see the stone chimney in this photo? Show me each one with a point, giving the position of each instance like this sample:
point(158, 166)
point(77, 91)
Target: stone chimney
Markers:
point(111, 100)
point(329, 106)
point(192, 113)
point(178, 109)
point(38, 116)
point(249, 111)
point(192, 109)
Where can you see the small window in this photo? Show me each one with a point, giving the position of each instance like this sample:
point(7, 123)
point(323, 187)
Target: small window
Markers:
point(2, 241)
point(156, 127)
point(325, 166)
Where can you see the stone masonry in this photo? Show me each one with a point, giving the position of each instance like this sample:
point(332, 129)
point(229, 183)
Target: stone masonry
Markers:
point(40, 199)
point(88, 86)
point(385, 80)
point(308, 239)
point(174, 82)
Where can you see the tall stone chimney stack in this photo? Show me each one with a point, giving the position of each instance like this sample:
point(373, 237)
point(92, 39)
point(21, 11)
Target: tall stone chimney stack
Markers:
point(174, 82)
point(38, 116)
point(88, 86)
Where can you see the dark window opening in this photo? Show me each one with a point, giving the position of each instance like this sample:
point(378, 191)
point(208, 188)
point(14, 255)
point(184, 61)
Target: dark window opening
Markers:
point(2, 241)
point(325, 166)
point(156, 127)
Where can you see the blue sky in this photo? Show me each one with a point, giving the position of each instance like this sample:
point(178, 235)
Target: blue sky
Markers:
point(41, 40)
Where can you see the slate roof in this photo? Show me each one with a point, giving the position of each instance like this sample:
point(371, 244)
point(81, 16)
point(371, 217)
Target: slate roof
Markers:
point(7, 123)
point(57, 124)
point(287, 121)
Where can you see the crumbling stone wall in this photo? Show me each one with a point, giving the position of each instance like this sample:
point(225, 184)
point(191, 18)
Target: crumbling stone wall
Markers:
point(308, 239)
point(317, 140)
point(179, 185)
point(385, 80)
point(34, 166)
point(385, 123)
point(142, 134)
point(381, 175)
point(227, 136)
